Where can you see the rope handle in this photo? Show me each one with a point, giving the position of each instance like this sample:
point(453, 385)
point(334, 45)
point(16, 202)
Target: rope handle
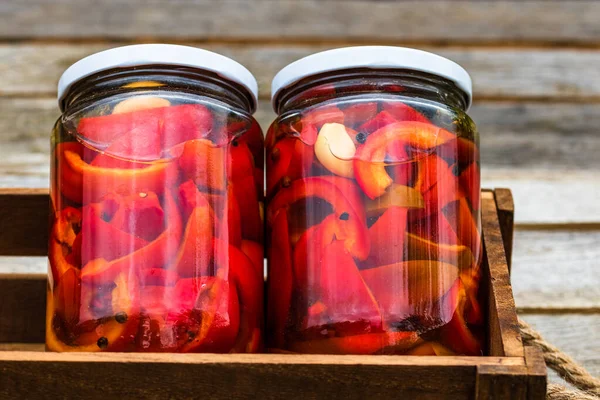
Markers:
point(565, 366)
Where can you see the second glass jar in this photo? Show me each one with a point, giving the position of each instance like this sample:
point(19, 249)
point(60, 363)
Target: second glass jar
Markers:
point(373, 207)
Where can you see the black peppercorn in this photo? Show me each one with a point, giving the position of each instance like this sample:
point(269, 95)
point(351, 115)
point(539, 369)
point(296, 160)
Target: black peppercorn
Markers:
point(345, 216)
point(102, 342)
point(456, 170)
point(361, 137)
point(121, 317)
point(234, 143)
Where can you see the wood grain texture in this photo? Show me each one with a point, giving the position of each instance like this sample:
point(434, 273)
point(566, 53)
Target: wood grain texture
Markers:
point(578, 335)
point(537, 373)
point(305, 19)
point(23, 233)
point(501, 383)
point(556, 269)
point(22, 308)
point(501, 307)
point(506, 216)
point(497, 73)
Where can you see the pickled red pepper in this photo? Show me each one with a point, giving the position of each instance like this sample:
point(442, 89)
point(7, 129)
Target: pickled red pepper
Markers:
point(373, 211)
point(146, 243)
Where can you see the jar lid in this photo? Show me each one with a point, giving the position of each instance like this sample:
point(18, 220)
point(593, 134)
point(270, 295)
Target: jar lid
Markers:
point(374, 57)
point(152, 54)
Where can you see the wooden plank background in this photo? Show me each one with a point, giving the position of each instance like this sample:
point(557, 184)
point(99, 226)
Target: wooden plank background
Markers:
point(536, 71)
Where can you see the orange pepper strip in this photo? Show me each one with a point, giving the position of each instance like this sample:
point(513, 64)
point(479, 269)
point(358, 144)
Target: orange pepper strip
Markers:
point(88, 183)
point(369, 164)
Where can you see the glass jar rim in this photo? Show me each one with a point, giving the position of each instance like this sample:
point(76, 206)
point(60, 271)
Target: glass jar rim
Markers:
point(163, 54)
point(370, 57)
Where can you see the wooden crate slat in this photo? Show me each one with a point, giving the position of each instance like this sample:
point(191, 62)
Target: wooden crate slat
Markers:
point(22, 308)
point(504, 336)
point(501, 382)
point(304, 19)
point(537, 373)
point(24, 221)
point(506, 216)
point(96, 375)
point(37, 375)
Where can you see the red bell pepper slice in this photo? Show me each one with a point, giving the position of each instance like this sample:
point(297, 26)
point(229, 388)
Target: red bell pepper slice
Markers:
point(240, 162)
point(62, 241)
point(404, 112)
point(136, 145)
point(382, 119)
point(254, 138)
point(434, 227)
point(291, 157)
point(154, 255)
point(189, 196)
point(159, 277)
point(437, 183)
point(173, 125)
point(410, 288)
point(204, 315)
point(370, 343)
point(308, 253)
point(68, 179)
point(351, 191)
point(112, 333)
point(102, 239)
point(233, 262)
point(388, 237)
point(467, 229)
point(225, 210)
point(456, 334)
point(83, 183)
point(352, 229)
point(279, 284)
point(349, 305)
point(195, 253)
point(255, 253)
point(322, 115)
point(369, 164)
point(470, 183)
point(358, 113)
point(141, 215)
point(251, 223)
point(67, 297)
point(204, 163)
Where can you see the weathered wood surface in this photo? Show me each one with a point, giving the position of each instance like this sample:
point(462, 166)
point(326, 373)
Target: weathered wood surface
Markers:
point(497, 72)
point(359, 20)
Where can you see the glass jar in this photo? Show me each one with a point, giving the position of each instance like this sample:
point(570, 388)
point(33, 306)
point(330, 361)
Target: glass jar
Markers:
point(373, 206)
point(156, 238)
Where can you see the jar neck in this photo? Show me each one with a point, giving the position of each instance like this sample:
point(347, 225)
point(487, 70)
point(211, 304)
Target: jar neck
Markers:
point(317, 89)
point(157, 77)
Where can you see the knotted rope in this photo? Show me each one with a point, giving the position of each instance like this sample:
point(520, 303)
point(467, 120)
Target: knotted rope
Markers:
point(565, 366)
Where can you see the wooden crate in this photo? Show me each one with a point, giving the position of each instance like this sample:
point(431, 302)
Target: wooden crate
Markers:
point(509, 371)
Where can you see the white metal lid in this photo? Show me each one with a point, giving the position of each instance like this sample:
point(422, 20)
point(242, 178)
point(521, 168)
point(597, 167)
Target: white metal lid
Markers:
point(166, 54)
point(375, 57)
